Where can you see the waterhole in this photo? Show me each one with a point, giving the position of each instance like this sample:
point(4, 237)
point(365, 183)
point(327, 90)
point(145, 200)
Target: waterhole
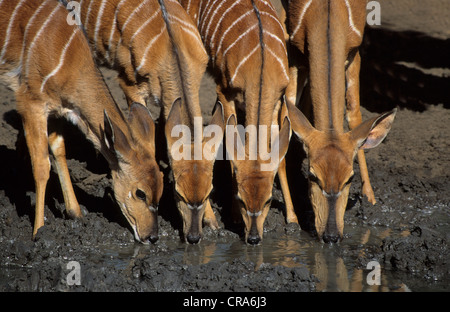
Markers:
point(338, 267)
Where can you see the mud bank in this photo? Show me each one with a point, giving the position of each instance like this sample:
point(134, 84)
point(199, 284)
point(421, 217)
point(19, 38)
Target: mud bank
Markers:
point(406, 232)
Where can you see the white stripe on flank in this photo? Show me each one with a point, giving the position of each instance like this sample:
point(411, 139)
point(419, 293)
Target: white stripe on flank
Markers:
point(118, 7)
point(130, 17)
point(191, 30)
point(243, 61)
point(276, 38)
point(8, 30)
point(36, 37)
point(188, 7)
point(278, 59)
point(212, 18)
point(61, 60)
point(350, 19)
point(205, 16)
point(300, 19)
point(184, 23)
point(111, 36)
point(98, 22)
point(88, 13)
point(220, 21)
point(236, 41)
point(274, 18)
point(30, 22)
point(199, 12)
point(269, 5)
point(144, 56)
point(231, 26)
point(144, 24)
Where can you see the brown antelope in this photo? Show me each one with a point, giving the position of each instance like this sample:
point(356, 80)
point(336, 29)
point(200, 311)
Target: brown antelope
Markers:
point(49, 66)
point(327, 35)
point(160, 58)
point(244, 40)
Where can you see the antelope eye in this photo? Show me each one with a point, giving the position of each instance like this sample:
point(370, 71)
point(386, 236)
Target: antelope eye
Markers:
point(313, 178)
point(141, 195)
point(349, 180)
point(240, 200)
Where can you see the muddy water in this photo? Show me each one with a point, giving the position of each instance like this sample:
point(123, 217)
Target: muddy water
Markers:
point(336, 267)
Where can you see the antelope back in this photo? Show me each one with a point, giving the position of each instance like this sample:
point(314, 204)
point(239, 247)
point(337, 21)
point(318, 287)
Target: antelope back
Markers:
point(47, 61)
point(160, 56)
point(327, 34)
point(154, 46)
point(245, 43)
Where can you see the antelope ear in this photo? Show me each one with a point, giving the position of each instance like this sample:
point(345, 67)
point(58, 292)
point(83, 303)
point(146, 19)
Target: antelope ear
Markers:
point(174, 119)
point(217, 116)
point(234, 145)
point(142, 124)
point(372, 132)
point(299, 123)
point(115, 139)
point(284, 138)
point(217, 126)
point(283, 110)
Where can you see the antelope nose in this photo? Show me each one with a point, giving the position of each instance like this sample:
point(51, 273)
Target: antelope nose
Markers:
point(253, 239)
point(153, 238)
point(330, 238)
point(193, 239)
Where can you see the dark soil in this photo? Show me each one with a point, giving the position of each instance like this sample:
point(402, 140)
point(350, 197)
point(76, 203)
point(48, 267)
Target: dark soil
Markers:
point(405, 65)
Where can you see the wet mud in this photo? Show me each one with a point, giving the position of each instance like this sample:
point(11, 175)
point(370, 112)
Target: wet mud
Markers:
point(406, 232)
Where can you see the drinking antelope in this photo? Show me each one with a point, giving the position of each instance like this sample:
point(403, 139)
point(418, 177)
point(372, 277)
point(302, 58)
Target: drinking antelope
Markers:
point(244, 40)
point(160, 58)
point(49, 66)
point(327, 35)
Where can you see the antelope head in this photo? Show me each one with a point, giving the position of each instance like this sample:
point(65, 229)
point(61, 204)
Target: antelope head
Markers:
point(137, 180)
point(255, 179)
point(193, 171)
point(331, 157)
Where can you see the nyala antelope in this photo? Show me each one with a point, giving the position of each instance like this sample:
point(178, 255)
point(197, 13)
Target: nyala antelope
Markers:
point(325, 36)
point(160, 58)
point(245, 43)
point(49, 66)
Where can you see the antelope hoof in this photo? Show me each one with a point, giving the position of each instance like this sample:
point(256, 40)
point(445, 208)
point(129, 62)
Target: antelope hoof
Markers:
point(292, 220)
point(368, 192)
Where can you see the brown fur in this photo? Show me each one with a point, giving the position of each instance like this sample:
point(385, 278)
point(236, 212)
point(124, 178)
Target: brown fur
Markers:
point(240, 91)
point(324, 37)
point(171, 68)
point(77, 91)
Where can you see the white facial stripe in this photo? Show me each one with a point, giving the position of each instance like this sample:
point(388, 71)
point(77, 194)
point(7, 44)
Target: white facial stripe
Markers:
point(195, 207)
point(254, 214)
point(153, 209)
point(327, 195)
